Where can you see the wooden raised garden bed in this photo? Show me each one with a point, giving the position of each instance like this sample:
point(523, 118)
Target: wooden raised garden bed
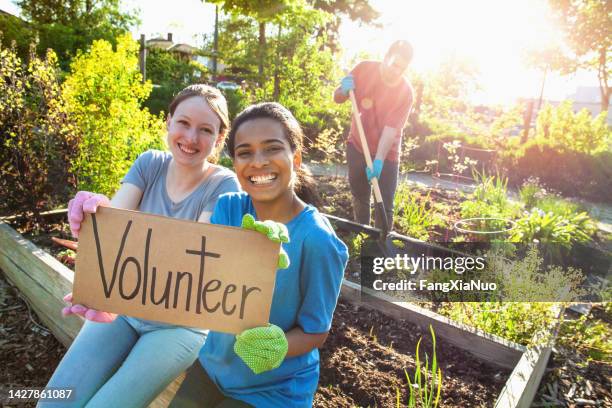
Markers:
point(44, 281)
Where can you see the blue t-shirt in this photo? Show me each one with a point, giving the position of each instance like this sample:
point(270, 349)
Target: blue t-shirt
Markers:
point(305, 295)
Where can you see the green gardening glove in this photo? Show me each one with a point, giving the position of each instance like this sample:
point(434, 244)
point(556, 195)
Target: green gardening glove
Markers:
point(275, 231)
point(262, 348)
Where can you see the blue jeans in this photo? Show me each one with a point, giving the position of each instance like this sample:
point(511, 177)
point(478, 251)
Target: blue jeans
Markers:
point(126, 363)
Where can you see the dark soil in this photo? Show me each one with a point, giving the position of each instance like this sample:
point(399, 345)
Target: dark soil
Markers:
point(366, 353)
point(337, 200)
point(362, 363)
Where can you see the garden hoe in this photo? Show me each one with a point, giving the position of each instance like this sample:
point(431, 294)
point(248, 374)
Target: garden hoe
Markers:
point(385, 242)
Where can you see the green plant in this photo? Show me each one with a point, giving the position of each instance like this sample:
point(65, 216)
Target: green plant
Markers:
point(565, 130)
point(426, 385)
point(558, 206)
point(328, 146)
point(490, 200)
point(514, 321)
point(588, 335)
point(38, 137)
point(104, 94)
point(226, 161)
point(237, 100)
point(547, 227)
point(355, 242)
point(531, 192)
point(413, 215)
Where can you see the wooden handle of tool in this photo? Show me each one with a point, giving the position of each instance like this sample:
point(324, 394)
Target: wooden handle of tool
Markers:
point(364, 145)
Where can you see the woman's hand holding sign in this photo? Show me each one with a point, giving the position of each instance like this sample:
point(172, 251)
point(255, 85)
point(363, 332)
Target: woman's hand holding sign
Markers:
point(87, 313)
point(83, 202)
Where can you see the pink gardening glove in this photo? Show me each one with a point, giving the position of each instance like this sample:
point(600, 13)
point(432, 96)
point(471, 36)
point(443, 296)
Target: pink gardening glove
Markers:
point(83, 202)
point(89, 314)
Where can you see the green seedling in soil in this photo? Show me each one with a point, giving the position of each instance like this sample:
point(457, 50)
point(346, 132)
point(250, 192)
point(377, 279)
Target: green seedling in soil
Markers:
point(426, 385)
point(588, 335)
point(414, 216)
point(490, 200)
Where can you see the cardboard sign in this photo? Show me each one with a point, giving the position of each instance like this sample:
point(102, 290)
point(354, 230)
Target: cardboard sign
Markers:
point(175, 271)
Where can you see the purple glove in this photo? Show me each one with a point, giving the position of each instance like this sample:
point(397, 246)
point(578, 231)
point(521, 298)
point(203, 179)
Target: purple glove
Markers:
point(83, 202)
point(89, 314)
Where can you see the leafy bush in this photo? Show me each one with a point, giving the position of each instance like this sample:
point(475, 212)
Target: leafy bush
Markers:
point(588, 335)
point(15, 31)
point(37, 135)
point(558, 205)
point(568, 172)
point(548, 227)
point(531, 192)
point(236, 102)
point(551, 219)
point(104, 94)
point(565, 130)
point(329, 145)
point(514, 321)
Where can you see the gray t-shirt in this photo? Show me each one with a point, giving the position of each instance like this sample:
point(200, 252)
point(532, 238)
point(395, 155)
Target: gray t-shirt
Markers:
point(149, 174)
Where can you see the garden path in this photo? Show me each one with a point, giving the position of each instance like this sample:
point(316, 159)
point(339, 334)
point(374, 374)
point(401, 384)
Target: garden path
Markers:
point(600, 211)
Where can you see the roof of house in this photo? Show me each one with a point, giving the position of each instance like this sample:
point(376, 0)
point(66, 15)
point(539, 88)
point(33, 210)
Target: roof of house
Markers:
point(183, 48)
point(588, 94)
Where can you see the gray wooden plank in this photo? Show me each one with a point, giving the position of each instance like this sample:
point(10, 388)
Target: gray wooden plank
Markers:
point(523, 383)
point(484, 346)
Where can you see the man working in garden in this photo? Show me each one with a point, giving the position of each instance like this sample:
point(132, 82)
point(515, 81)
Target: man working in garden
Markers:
point(384, 98)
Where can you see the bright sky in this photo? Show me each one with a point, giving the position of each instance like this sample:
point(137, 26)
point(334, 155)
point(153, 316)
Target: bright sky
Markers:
point(492, 34)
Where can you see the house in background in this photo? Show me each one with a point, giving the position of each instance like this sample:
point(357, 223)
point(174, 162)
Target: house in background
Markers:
point(585, 97)
point(185, 52)
point(588, 97)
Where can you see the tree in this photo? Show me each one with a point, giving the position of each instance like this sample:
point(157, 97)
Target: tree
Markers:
point(263, 11)
point(170, 74)
point(356, 10)
point(68, 26)
point(549, 58)
point(588, 29)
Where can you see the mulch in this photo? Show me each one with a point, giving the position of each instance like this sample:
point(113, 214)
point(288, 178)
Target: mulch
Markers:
point(28, 351)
